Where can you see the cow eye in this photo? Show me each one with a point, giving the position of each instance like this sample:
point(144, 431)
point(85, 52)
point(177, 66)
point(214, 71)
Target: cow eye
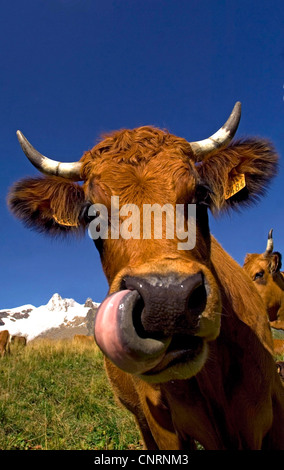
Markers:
point(84, 214)
point(203, 195)
point(258, 275)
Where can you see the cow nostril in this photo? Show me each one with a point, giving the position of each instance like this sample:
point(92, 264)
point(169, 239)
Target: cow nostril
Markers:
point(136, 317)
point(143, 333)
point(197, 300)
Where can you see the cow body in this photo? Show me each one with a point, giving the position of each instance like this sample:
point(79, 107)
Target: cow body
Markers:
point(278, 346)
point(18, 341)
point(185, 334)
point(4, 342)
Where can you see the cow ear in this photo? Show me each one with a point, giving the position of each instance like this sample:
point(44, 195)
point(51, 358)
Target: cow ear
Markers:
point(275, 262)
point(240, 173)
point(48, 204)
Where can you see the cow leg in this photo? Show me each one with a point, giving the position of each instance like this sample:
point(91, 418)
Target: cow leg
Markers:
point(158, 417)
point(125, 392)
point(148, 440)
point(8, 348)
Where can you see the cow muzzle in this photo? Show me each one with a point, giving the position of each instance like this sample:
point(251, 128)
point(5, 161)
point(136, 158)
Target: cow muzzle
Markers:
point(152, 325)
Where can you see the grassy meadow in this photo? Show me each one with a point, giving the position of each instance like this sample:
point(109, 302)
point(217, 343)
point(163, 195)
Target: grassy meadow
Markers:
point(54, 395)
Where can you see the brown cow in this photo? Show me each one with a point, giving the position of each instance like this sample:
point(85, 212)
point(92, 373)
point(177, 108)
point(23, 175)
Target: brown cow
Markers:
point(264, 270)
point(185, 334)
point(18, 341)
point(4, 342)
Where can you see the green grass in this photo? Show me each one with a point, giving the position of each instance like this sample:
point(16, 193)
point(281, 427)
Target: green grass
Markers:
point(55, 395)
point(277, 334)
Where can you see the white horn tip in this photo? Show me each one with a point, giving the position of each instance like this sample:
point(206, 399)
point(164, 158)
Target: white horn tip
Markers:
point(221, 138)
point(21, 138)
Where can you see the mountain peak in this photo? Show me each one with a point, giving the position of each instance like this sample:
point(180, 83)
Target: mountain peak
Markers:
point(89, 303)
point(58, 303)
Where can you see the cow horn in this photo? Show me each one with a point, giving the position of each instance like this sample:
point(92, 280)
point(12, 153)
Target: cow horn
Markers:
point(47, 166)
point(269, 246)
point(221, 138)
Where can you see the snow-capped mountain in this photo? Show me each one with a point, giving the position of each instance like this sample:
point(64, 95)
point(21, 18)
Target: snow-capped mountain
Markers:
point(59, 318)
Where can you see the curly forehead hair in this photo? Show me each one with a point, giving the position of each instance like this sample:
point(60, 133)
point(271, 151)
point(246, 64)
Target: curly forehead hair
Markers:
point(136, 145)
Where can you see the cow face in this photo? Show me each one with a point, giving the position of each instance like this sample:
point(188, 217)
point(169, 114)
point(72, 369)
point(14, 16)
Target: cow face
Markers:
point(262, 269)
point(152, 276)
point(164, 302)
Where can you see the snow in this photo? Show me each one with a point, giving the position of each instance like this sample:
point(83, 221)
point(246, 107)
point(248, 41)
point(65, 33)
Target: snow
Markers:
point(17, 309)
point(40, 319)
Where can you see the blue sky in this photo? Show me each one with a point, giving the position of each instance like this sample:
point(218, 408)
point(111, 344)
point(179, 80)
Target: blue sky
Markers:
point(73, 69)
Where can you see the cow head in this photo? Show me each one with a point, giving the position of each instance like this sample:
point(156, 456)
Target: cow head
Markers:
point(264, 270)
point(164, 303)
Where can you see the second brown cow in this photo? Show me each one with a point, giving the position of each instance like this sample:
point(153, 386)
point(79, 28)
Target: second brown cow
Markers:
point(265, 271)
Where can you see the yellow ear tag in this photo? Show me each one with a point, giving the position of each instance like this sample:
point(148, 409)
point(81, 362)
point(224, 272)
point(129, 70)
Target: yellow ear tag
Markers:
point(234, 185)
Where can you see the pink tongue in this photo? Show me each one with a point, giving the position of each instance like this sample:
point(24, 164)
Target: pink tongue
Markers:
point(106, 328)
point(117, 338)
